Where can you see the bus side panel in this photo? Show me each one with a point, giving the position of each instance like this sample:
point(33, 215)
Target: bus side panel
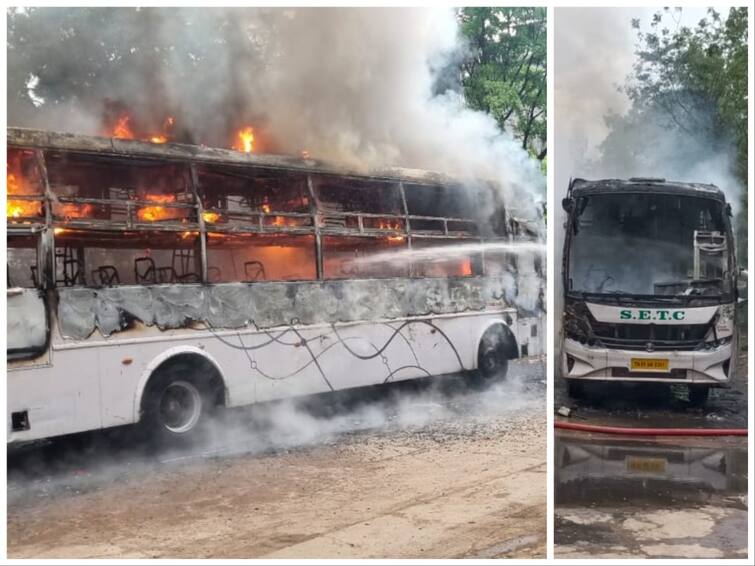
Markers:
point(369, 354)
point(60, 400)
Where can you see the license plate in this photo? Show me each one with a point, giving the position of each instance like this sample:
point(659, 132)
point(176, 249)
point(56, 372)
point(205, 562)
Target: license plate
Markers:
point(649, 364)
point(646, 465)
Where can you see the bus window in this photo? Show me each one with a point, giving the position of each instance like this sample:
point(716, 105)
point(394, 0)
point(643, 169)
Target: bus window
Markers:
point(108, 258)
point(433, 257)
point(164, 186)
point(346, 257)
point(23, 268)
point(24, 180)
point(349, 195)
point(438, 201)
point(236, 195)
point(260, 257)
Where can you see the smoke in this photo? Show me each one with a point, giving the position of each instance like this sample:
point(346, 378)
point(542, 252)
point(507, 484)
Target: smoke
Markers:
point(437, 407)
point(356, 86)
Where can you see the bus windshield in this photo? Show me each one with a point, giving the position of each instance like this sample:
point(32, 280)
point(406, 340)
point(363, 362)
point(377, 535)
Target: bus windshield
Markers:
point(648, 244)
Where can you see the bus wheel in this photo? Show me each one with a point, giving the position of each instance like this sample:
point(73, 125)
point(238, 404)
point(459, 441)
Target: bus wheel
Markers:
point(698, 394)
point(492, 356)
point(176, 407)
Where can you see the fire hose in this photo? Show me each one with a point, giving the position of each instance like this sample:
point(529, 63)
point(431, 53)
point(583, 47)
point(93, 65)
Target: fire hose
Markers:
point(631, 431)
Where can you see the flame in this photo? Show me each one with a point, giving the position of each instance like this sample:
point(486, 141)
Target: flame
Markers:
point(466, 268)
point(165, 135)
point(154, 213)
point(58, 231)
point(305, 154)
point(72, 210)
point(210, 217)
point(122, 128)
point(22, 208)
point(266, 208)
point(395, 238)
point(17, 186)
point(245, 140)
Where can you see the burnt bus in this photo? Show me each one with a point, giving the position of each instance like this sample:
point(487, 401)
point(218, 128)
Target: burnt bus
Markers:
point(650, 284)
point(154, 283)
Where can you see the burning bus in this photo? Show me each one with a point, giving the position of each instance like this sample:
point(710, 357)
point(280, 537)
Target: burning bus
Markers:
point(153, 282)
point(650, 282)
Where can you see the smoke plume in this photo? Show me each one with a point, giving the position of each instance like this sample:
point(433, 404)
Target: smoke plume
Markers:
point(356, 86)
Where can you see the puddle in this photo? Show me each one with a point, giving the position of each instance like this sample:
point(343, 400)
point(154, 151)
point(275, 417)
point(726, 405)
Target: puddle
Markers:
point(597, 471)
point(618, 497)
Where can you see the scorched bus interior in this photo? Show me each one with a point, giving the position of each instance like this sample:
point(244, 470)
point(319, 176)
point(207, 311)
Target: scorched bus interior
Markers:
point(88, 219)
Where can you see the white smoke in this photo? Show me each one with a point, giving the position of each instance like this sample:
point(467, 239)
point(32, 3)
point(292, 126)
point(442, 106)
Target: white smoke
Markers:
point(354, 86)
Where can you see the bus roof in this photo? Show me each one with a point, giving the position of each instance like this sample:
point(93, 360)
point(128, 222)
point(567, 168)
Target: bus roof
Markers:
point(42, 139)
point(583, 187)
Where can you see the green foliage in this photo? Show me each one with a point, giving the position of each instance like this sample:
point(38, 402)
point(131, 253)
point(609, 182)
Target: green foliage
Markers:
point(692, 82)
point(505, 72)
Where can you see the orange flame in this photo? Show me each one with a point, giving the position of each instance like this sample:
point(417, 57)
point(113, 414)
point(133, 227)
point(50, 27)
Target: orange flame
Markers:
point(245, 140)
point(165, 135)
point(72, 210)
point(210, 217)
point(122, 128)
point(155, 213)
point(16, 185)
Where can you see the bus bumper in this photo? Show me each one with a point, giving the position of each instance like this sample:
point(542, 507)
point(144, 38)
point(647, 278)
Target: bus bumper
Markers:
point(711, 367)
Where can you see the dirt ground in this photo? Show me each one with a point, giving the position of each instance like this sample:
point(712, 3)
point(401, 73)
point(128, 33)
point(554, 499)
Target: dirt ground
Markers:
point(439, 473)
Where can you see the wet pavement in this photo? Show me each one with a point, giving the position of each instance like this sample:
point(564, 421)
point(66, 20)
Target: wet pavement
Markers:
point(442, 408)
point(650, 498)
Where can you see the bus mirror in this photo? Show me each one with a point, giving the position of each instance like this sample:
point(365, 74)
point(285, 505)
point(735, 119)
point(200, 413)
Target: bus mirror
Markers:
point(567, 204)
point(728, 209)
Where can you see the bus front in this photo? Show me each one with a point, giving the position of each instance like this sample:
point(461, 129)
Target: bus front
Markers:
point(650, 288)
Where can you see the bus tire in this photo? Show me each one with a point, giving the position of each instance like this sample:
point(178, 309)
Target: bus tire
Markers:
point(493, 355)
point(698, 394)
point(177, 406)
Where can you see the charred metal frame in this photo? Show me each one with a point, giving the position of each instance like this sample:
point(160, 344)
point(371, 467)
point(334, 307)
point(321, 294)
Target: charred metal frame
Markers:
point(190, 157)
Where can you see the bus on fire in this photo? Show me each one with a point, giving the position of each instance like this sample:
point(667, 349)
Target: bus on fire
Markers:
point(650, 280)
point(152, 284)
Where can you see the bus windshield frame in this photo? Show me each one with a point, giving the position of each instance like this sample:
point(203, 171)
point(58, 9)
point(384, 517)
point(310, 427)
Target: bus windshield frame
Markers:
point(661, 246)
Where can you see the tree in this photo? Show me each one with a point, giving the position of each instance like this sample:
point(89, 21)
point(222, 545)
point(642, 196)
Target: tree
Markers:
point(505, 71)
point(688, 93)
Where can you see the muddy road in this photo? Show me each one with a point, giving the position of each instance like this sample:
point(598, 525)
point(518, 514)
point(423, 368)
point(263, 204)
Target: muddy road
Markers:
point(428, 469)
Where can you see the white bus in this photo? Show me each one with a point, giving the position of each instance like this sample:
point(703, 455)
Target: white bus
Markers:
point(650, 280)
point(153, 283)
